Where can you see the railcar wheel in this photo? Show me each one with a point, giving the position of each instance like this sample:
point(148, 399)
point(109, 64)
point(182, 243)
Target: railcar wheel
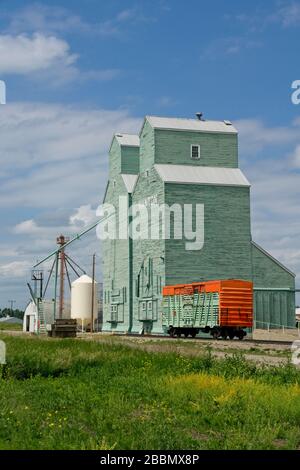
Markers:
point(171, 332)
point(186, 334)
point(224, 335)
point(231, 335)
point(193, 334)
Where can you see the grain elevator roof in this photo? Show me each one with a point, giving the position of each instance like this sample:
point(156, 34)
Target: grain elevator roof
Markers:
point(128, 140)
point(179, 124)
point(188, 174)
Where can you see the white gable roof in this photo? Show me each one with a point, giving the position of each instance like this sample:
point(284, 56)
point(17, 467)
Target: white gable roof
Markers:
point(191, 125)
point(188, 174)
point(130, 182)
point(128, 140)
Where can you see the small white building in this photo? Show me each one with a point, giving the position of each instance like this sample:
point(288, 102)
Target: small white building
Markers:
point(30, 320)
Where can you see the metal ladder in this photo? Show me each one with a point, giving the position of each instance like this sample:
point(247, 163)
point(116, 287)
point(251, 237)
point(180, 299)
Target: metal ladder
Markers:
point(42, 330)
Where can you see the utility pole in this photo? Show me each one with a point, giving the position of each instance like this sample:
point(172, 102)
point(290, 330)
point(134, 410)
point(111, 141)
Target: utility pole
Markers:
point(11, 302)
point(61, 240)
point(93, 292)
point(38, 276)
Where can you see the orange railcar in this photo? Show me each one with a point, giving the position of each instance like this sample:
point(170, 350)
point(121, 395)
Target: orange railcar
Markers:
point(222, 308)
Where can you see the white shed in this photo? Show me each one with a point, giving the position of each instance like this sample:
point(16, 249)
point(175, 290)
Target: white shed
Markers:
point(30, 321)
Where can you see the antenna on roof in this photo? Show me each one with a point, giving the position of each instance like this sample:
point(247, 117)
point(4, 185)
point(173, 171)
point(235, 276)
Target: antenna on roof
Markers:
point(199, 116)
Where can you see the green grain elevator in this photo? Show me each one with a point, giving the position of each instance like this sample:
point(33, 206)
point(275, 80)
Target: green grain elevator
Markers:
point(179, 162)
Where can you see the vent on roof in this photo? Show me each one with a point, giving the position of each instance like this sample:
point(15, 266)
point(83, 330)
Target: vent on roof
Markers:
point(119, 135)
point(228, 123)
point(199, 116)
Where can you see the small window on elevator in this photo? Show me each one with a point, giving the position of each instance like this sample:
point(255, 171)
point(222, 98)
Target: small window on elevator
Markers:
point(195, 152)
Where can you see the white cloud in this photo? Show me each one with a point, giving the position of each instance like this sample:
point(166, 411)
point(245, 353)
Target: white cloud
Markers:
point(52, 142)
point(44, 18)
point(255, 135)
point(228, 47)
point(165, 101)
point(83, 216)
point(54, 162)
point(287, 14)
point(44, 58)
point(126, 15)
point(26, 227)
point(27, 54)
point(275, 191)
point(14, 269)
point(52, 19)
point(296, 157)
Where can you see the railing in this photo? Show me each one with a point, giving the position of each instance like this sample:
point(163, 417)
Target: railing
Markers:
point(269, 326)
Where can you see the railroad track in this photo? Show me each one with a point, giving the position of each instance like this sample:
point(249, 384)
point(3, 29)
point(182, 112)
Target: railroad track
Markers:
point(169, 338)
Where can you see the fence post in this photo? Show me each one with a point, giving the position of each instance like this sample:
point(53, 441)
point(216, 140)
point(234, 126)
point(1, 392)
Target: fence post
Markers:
point(268, 327)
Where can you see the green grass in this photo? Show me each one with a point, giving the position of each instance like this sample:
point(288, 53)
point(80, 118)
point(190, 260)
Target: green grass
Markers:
point(10, 326)
point(74, 394)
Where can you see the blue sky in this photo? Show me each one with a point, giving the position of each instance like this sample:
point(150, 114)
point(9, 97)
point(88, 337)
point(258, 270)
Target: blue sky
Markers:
point(77, 71)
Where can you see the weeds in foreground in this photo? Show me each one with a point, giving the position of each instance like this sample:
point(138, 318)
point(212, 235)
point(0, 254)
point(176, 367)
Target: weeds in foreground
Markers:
point(70, 394)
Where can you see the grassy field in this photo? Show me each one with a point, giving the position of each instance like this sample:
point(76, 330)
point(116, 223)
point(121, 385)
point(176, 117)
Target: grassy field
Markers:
point(75, 394)
point(11, 326)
